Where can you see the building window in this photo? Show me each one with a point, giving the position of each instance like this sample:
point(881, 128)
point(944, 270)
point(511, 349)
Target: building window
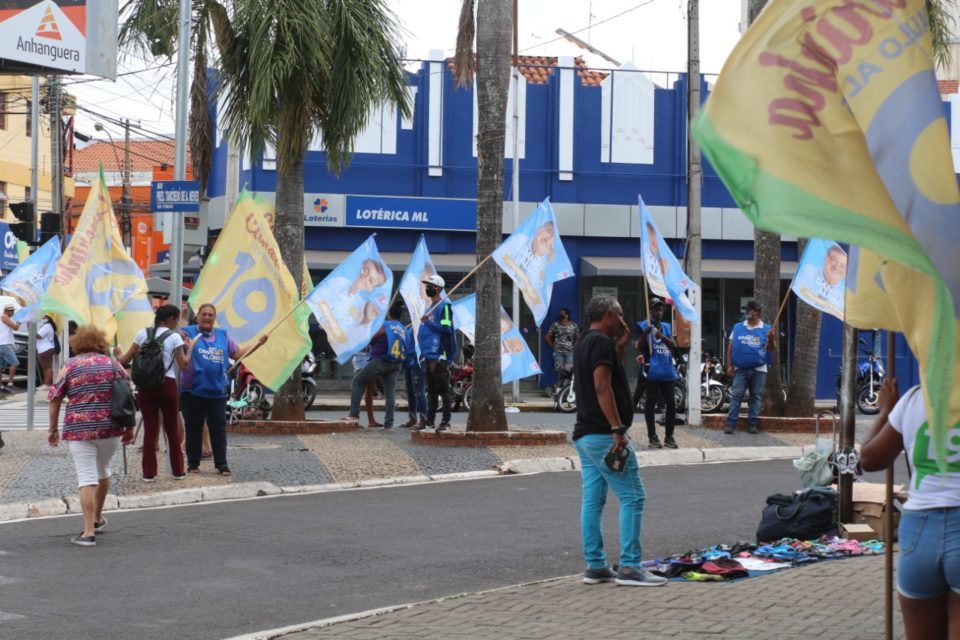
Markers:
point(3, 110)
point(29, 118)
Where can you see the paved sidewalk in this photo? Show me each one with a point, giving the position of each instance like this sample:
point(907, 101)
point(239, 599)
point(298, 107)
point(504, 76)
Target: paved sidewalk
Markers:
point(838, 599)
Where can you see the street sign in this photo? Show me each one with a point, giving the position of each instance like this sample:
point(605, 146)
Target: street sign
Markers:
point(179, 196)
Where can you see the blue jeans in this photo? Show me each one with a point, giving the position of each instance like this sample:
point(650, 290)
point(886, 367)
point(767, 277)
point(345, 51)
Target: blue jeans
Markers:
point(929, 552)
point(745, 379)
point(416, 392)
point(626, 485)
point(562, 362)
point(376, 368)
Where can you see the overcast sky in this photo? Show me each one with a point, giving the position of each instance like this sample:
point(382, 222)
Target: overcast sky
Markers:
point(650, 33)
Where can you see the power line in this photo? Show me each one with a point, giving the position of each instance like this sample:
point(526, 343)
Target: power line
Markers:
point(590, 26)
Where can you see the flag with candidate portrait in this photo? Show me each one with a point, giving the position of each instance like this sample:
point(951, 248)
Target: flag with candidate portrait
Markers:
point(827, 120)
point(351, 303)
point(412, 288)
point(29, 281)
point(534, 258)
point(821, 277)
point(247, 281)
point(96, 282)
point(660, 267)
point(516, 359)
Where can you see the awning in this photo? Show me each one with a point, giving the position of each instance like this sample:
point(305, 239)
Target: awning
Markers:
point(444, 262)
point(161, 287)
point(711, 268)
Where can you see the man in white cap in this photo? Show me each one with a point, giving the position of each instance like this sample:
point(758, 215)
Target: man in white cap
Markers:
point(8, 358)
point(437, 348)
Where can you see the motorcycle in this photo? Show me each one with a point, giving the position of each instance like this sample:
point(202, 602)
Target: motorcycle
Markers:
point(248, 397)
point(565, 394)
point(308, 380)
point(461, 383)
point(714, 392)
point(870, 376)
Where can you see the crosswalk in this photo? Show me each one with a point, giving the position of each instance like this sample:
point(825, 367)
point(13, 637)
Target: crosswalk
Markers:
point(13, 415)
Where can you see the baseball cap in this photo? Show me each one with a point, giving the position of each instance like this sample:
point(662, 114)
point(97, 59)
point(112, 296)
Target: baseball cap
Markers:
point(435, 280)
point(655, 302)
point(9, 305)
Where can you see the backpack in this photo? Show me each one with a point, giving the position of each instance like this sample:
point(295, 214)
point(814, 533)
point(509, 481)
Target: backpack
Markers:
point(147, 370)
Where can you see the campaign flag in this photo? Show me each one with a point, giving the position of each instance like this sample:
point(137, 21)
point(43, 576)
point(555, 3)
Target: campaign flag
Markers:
point(351, 303)
point(822, 276)
point(412, 288)
point(660, 267)
point(534, 258)
point(827, 121)
point(96, 282)
point(516, 359)
point(31, 279)
point(269, 212)
point(23, 251)
point(246, 279)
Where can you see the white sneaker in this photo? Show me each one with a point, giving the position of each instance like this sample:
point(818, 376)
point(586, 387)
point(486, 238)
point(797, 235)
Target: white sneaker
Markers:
point(636, 577)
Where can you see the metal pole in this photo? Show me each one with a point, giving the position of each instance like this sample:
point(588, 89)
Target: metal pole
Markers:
point(125, 200)
point(888, 512)
point(34, 188)
point(515, 291)
point(848, 417)
point(180, 148)
point(692, 256)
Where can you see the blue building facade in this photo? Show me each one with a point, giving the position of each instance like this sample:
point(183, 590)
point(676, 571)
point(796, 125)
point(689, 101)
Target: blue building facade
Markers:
point(590, 141)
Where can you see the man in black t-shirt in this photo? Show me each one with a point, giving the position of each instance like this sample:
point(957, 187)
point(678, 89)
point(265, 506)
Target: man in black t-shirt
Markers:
point(604, 413)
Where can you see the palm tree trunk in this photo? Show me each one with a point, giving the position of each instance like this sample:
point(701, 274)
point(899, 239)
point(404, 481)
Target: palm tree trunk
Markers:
point(288, 230)
point(494, 35)
point(766, 256)
point(801, 392)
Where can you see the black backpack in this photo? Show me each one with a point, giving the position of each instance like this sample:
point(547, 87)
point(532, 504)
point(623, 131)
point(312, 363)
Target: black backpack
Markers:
point(147, 370)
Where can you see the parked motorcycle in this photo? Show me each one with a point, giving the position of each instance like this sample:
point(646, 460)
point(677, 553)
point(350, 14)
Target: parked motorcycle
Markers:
point(461, 383)
point(564, 394)
point(248, 397)
point(308, 379)
point(870, 376)
point(714, 392)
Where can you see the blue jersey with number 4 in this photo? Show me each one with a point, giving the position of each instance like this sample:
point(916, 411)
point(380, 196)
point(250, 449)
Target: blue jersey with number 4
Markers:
point(395, 334)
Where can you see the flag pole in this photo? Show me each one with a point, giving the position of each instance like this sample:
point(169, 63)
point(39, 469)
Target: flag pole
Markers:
point(783, 305)
point(888, 515)
point(457, 286)
point(267, 333)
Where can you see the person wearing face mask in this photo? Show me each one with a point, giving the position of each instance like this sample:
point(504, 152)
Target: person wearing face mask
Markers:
point(562, 336)
point(204, 387)
point(437, 349)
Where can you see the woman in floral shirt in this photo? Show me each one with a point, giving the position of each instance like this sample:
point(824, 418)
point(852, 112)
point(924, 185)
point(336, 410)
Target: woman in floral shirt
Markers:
point(86, 380)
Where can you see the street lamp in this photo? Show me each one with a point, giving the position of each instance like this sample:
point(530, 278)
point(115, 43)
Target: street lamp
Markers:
point(124, 199)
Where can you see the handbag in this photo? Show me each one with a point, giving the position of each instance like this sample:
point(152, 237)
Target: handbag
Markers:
point(804, 516)
point(123, 410)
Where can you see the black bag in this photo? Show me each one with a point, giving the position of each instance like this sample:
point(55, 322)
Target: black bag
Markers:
point(147, 370)
point(804, 516)
point(123, 410)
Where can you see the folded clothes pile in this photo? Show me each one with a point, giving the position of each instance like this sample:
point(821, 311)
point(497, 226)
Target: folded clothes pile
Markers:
point(725, 562)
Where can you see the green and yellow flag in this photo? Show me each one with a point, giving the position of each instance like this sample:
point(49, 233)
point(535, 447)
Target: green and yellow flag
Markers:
point(827, 122)
point(246, 280)
point(96, 281)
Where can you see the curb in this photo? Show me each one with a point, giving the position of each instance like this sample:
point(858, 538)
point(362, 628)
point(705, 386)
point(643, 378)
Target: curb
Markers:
point(70, 505)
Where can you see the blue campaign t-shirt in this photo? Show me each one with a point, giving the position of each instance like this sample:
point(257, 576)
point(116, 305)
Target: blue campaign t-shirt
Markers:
point(660, 358)
point(206, 376)
point(749, 346)
point(395, 336)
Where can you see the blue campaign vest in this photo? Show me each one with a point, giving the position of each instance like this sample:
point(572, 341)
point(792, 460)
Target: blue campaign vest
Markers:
point(209, 365)
point(395, 335)
point(661, 360)
point(435, 345)
point(749, 346)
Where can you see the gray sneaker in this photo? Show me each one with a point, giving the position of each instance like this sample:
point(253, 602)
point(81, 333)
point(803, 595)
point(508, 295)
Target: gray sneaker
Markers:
point(596, 576)
point(637, 577)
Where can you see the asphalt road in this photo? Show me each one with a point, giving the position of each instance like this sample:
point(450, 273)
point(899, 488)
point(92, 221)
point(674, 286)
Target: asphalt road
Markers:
point(214, 571)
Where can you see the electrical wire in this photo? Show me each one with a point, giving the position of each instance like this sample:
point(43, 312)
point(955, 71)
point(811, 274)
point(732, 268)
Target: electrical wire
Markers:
point(590, 26)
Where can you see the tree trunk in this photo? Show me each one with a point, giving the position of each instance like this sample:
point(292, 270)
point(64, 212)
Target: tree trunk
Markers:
point(801, 392)
point(494, 37)
point(288, 230)
point(766, 257)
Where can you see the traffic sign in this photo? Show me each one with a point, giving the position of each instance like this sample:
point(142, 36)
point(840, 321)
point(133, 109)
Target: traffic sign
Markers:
point(179, 196)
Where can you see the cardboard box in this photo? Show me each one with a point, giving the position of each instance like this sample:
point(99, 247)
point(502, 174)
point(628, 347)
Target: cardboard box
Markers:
point(868, 506)
point(859, 532)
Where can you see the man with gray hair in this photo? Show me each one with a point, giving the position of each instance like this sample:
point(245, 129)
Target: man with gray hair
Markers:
point(607, 458)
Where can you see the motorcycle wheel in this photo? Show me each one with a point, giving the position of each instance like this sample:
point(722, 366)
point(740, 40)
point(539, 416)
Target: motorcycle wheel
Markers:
point(255, 392)
point(712, 399)
point(868, 400)
point(309, 392)
point(567, 399)
point(680, 397)
point(467, 396)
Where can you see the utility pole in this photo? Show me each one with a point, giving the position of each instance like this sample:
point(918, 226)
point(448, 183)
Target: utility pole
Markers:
point(180, 149)
point(692, 256)
point(515, 291)
point(34, 188)
point(848, 417)
point(125, 200)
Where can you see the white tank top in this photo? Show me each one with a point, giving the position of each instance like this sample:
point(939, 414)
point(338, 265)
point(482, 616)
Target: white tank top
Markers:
point(6, 334)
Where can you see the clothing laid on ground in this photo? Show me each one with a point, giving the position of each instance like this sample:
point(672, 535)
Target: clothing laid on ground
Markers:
point(594, 349)
point(87, 384)
point(929, 532)
point(170, 343)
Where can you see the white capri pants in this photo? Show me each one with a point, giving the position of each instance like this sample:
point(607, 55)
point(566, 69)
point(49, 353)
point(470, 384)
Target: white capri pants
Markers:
point(92, 459)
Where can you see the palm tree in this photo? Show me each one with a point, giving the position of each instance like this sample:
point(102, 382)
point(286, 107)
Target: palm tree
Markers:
point(494, 29)
point(801, 391)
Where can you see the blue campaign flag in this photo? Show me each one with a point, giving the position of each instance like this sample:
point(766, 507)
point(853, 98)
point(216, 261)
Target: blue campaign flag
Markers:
point(351, 303)
point(516, 359)
point(412, 289)
point(534, 258)
point(660, 267)
point(821, 276)
point(29, 281)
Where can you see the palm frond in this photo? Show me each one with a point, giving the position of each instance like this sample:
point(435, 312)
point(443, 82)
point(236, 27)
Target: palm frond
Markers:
point(941, 29)
point(149, 27)
point(463, 61)
point(201, 125)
